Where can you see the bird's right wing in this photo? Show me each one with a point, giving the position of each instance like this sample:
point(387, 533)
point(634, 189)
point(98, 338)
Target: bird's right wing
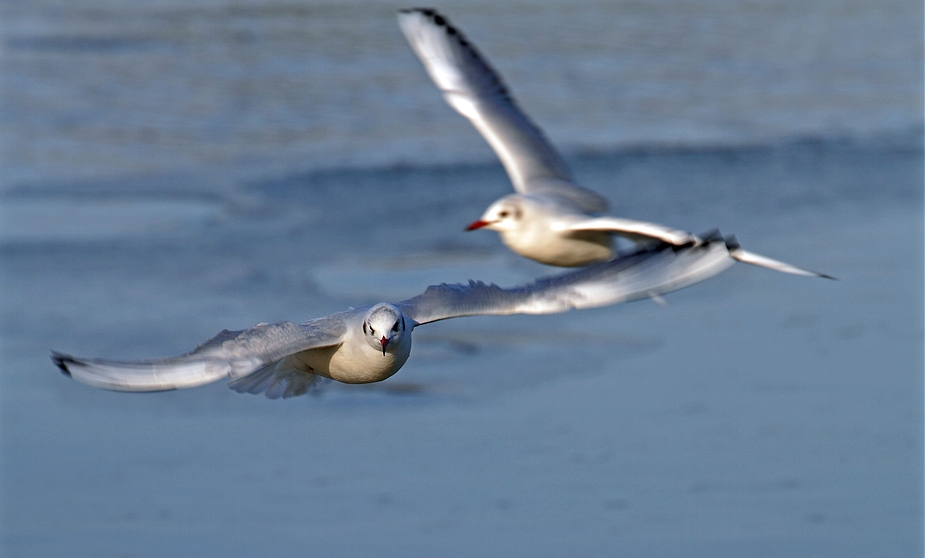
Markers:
point(474, 89)
point(230, 354)
point(644, 274)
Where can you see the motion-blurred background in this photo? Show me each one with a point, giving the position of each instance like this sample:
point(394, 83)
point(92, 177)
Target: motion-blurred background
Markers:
point(170, 169)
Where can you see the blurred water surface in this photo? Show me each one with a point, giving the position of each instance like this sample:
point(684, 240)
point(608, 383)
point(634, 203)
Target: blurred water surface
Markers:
point(99, 88)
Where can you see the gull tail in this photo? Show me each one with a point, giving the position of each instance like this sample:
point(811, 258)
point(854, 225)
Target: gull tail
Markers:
point(737, 253)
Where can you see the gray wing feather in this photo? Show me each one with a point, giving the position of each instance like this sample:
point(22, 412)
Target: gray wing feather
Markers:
point(283, 378)
point(475, 90)
point(230, 354)
point(644, 274)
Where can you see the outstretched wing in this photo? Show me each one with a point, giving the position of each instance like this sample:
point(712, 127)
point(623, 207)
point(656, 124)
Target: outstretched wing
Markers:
point(230, 354)
point(634, 230)
point(474, 89)
point(646, 273)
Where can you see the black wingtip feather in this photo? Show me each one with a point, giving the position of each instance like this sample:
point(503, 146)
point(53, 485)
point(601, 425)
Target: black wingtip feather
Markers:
point(442, 21)
point(711, 235)
point(62, 361)
point(732, 243)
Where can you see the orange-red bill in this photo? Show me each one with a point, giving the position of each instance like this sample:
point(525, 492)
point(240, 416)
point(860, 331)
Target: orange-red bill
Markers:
point(477, 225)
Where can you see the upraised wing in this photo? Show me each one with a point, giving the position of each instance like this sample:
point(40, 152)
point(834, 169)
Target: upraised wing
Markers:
point(250, 357)
point(644, 274)
point(474, 89)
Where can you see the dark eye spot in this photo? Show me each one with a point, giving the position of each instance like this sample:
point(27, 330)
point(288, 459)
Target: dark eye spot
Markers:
point(503, 214)
point(395, 327)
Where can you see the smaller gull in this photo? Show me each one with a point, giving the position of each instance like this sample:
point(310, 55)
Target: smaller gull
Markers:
point(370, 344)
point(549, 218)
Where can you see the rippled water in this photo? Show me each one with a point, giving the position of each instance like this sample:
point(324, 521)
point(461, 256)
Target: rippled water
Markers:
point(101, 89)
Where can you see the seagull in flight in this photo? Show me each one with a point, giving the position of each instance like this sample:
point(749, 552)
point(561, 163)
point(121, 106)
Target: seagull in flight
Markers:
point(370, 344)
point(549, 218)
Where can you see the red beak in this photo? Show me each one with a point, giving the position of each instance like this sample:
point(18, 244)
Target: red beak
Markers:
point(385, 343)
point(477, 225)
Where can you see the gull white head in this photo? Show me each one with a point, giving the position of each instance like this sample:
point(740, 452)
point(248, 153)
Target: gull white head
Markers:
point(503, 215)
point(384, 327)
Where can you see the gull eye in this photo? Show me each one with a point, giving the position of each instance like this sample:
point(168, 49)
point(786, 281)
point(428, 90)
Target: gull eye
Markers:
point(395, 327)
point(503, 214)
point(372, 331)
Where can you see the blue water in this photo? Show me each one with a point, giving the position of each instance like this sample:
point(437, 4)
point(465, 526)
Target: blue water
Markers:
point(105, 88)
point(173, 169)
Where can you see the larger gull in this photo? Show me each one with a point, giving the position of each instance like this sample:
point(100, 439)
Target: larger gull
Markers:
point(550, 218)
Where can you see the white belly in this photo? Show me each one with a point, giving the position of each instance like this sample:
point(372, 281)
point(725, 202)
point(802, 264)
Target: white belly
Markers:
point(356, 362)
point(548, 247)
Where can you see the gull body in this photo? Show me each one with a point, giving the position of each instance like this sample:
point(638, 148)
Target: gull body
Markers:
point(540, 228)
point(549, 218)
point(383, 329)
point(370, 344)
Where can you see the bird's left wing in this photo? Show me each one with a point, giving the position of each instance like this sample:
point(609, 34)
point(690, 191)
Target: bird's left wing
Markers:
point(644, 274)
point(230, 354)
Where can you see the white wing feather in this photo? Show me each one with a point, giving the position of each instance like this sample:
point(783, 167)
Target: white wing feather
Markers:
point(474, 89)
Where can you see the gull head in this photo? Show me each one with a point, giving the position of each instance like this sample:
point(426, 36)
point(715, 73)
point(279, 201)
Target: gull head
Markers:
point(385, 327)
point(503, 215)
